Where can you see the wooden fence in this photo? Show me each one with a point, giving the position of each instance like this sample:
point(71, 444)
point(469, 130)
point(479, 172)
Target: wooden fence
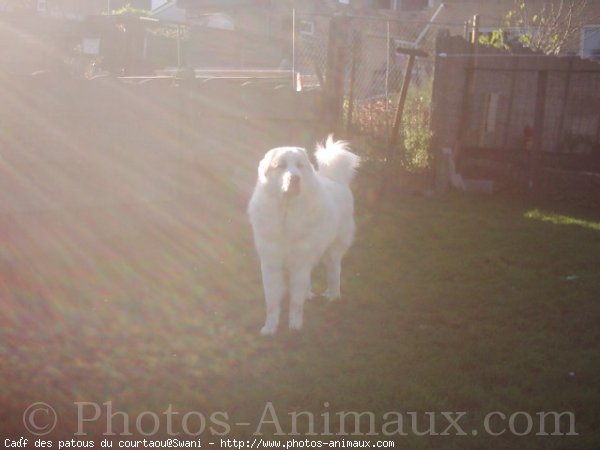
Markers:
point(530, 113)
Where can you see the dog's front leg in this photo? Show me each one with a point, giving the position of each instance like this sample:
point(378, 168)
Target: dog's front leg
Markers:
point(333, 267)
point(299, 292)
point(274, 287)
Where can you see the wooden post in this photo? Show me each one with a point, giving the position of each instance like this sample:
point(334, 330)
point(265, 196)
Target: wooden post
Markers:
point(563, 106)
point(511, 95)
point(475, 35)
point(334, 78)
point(412, 54)
point(401, 102)
point(470, 81)
point(538, 126)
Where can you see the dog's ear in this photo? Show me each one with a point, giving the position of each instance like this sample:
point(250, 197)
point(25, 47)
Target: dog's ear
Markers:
point(309, 160)
point(265, 165)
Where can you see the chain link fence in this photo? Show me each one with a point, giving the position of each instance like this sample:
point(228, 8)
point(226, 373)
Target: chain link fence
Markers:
point(375, 67)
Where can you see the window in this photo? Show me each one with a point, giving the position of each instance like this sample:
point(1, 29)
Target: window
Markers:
point(590, 42)
point(306, 27)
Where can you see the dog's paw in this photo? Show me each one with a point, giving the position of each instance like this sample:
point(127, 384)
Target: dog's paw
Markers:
point(295, 322)
point(268, 330)
point(331, 296)
point(295, 326)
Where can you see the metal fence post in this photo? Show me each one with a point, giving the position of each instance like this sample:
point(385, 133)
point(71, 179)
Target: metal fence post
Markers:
point(356, 48)
point(334, 81)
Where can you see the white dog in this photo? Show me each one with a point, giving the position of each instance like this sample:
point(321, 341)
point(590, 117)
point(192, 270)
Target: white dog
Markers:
point(300, 216)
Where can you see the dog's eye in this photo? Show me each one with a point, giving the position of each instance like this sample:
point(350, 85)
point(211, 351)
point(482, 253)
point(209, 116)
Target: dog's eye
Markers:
point(279, 165)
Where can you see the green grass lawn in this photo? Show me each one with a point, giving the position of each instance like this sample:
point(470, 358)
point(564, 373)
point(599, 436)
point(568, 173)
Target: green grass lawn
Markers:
point(453, 304)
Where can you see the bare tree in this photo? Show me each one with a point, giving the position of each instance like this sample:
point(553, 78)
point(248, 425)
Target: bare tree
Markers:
point(549, 27)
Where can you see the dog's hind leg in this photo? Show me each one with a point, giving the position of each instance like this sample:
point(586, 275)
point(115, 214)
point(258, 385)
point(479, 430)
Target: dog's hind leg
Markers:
point(333, 267)
point(274, 287)
point(299, 292)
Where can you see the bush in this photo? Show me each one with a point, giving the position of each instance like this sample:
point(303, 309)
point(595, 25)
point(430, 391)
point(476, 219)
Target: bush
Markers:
point(374, 119)
point(416, 131)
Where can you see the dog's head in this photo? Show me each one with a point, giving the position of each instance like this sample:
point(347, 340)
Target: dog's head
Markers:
point(286, 171)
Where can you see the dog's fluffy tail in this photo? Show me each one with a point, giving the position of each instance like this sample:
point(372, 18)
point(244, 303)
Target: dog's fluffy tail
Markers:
point(336, 161)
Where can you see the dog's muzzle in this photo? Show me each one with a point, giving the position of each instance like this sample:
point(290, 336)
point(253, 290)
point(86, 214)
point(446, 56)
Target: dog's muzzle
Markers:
point(291, 184)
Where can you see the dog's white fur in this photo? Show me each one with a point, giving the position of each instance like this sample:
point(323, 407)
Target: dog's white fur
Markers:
point(299, 217)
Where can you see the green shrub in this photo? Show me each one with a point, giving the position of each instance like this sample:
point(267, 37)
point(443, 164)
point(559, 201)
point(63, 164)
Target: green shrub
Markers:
point(374, 119)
